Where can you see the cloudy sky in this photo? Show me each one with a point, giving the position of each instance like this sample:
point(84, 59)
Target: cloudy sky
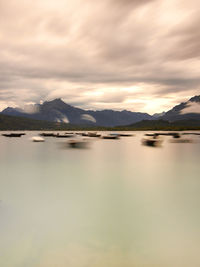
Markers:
point(140, 55)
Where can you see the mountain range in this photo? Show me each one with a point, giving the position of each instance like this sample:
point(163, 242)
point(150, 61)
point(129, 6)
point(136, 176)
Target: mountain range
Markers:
point(189, 110)
point(59, 111)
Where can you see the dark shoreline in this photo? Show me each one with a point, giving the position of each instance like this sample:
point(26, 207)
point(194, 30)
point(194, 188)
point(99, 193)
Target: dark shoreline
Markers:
point(13, 123)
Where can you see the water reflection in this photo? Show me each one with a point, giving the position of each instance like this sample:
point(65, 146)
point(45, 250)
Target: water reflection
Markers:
point(116, 204)
point(154, 141)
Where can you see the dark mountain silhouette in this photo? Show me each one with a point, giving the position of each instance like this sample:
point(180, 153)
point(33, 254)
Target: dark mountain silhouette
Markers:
point(163, 125)
point(19, 123)
point(58, 111)
point(189, 110)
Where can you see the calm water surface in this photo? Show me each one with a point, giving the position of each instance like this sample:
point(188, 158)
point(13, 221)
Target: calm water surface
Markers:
point(117, 204)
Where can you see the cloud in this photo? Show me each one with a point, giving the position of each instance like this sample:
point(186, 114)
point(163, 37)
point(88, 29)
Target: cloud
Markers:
point(88, 117)
point(67, 48)
point(192, 107)
point(31, 108)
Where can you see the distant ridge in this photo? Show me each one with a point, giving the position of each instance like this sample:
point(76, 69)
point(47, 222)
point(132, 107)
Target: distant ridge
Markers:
point(186, 114)
point(189, 110)
point(12, 123)
point(59, 111)
point(156, 125)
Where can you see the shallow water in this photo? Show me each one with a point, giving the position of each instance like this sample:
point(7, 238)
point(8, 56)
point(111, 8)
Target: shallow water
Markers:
point(116, 204)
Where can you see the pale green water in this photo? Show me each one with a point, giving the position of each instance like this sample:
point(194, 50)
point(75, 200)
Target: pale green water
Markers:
point(117, 204)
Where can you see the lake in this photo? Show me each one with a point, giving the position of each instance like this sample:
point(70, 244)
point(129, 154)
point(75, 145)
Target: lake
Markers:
point(116, 204)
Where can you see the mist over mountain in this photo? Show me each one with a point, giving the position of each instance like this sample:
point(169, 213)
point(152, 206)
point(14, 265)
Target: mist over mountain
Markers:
point(59, 111)
point(189, 110)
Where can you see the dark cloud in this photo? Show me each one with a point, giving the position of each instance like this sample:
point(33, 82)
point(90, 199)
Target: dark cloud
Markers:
point(185, 39)
point(129, 4)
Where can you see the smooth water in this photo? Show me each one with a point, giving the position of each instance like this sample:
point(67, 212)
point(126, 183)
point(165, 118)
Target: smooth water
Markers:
point(116, 204)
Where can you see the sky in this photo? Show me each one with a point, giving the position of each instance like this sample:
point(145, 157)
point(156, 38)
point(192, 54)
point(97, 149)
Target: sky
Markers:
point(139, 55)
